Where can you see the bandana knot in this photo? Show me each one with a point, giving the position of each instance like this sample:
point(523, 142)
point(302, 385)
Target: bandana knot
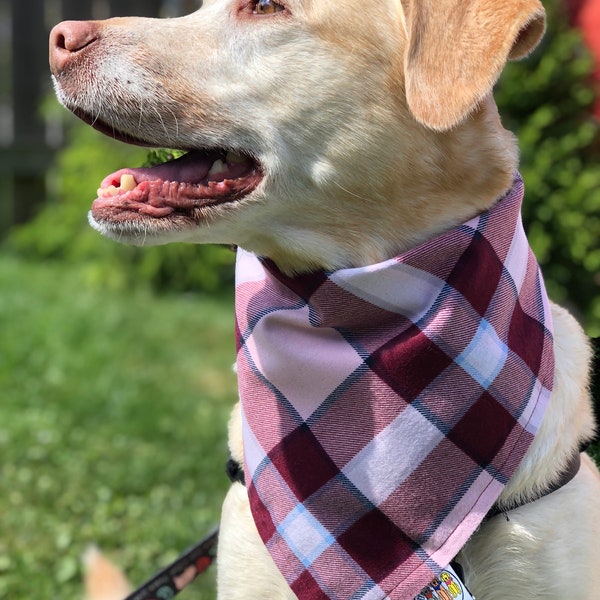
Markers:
point(386, 407)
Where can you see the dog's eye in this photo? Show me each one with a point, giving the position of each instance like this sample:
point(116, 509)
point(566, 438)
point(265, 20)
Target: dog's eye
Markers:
point(267, 7)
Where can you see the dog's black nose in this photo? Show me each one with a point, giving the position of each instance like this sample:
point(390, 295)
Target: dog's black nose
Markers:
point(67, 40)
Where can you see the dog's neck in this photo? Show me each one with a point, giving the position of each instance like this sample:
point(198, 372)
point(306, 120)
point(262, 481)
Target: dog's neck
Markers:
point(389, 199)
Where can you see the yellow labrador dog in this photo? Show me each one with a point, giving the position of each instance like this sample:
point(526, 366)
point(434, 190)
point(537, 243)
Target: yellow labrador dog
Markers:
point(327, 137)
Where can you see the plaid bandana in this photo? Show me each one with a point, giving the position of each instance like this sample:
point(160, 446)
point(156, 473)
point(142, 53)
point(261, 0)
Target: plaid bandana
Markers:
point(386, 407)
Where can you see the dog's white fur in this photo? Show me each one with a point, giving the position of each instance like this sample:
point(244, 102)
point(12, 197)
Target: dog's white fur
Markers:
point(375, 128)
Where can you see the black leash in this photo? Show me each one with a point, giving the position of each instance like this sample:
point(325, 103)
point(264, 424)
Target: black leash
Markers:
point(178, 575)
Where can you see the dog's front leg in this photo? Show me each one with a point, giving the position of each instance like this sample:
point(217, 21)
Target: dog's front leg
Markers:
point(245, 570)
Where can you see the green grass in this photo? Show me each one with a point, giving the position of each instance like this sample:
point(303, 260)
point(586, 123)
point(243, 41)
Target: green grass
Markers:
point(113, 409)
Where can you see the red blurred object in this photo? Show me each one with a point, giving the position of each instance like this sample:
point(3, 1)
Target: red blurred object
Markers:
point(586, 15)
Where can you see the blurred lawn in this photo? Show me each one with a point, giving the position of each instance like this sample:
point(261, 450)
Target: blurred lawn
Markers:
point(113, 410)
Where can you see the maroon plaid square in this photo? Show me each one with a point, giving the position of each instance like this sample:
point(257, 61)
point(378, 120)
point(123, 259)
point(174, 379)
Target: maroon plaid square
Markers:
point(302, 462)
point(377, 545)
point(411, 352)
point(306, 587)
point(304, 285)
point(526, 338)
point(477, 274)
point(493, 422)
point(263, 520)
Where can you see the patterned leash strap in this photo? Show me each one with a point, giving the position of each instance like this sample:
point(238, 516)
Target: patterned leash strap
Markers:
point(178, 575)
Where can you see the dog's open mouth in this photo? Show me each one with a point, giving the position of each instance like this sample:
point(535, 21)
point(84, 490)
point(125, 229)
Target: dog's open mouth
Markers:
point(197, 180)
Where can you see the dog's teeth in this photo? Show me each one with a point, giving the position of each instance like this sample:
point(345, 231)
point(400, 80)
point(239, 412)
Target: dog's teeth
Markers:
point(234, 158)
point(218, 167)
point(128, 182)
point(107, 192)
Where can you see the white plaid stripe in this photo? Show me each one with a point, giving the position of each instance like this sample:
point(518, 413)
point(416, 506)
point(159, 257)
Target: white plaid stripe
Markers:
point(400, 443)
point(413, 291)
point(311, 380)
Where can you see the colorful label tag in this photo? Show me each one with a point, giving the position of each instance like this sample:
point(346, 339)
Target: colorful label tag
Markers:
point(447, 586)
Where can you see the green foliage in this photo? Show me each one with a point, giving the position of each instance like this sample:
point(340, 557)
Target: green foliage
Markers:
point(547, 101)
point(61, 230)
point(161, 155)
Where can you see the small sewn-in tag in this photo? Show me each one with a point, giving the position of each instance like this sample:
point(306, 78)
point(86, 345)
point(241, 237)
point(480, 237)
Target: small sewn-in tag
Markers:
point(448, 586)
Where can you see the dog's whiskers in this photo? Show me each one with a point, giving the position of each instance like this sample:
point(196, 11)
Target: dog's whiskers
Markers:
point(175, 120)
point(364, 198)
point(141, 112)
point(163, 124)
point(114, 129)
point(98, 113)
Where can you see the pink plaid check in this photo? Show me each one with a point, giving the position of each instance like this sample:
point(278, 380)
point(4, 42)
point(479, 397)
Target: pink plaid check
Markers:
point(386, 407)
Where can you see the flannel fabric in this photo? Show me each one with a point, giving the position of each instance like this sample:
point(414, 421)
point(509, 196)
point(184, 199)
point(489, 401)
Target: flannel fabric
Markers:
point(386, 407)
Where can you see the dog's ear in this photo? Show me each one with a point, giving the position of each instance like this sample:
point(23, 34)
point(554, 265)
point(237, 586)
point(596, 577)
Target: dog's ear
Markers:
point(456, 50)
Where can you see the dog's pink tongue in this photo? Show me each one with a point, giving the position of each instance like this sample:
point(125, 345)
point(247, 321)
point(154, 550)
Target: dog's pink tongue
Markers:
point(196, 180)
point(190, 168)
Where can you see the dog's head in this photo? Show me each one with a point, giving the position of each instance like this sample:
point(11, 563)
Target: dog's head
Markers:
point(321, 134)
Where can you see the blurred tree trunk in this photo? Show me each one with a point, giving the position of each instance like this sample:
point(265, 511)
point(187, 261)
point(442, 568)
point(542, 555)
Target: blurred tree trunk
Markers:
point(76, 10)
point(29, 60)
point(139, 8)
